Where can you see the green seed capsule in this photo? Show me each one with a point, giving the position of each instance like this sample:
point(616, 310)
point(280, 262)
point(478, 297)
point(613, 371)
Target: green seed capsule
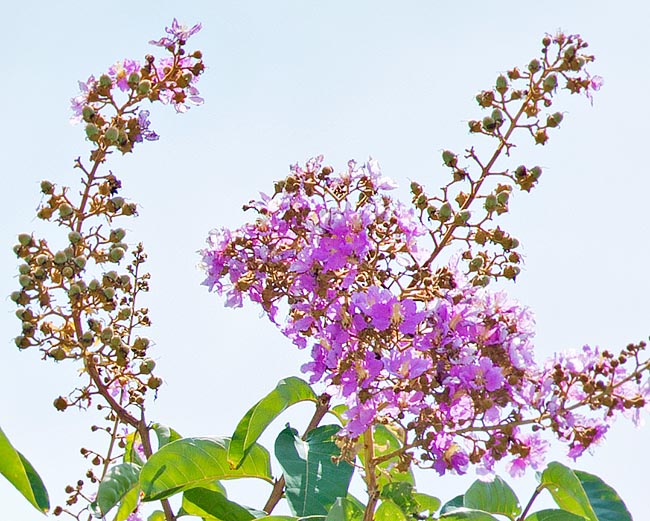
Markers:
point(112, 134)
point(106, 335)
point(26, 281)
point(550, 83)
point(24, 269)
point(490, 202)
point(47, 187)
point(74, 237)
point(144, 87)
point(80, 262)
point(25, 239)
point(444, 213)
point(503, 197)
point(92, 131)
point(88, 113)
point(67, 272)
point(65, 211)
point(116, 254)
point(534, 66)
point(109, 293)
point(502, 84)
point(449, 158)
point(154, 382)
point(489, 124)
point(105, 81)
point(74, 291)
point(147, 365)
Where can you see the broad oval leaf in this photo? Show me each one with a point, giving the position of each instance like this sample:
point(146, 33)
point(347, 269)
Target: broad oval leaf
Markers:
point(202, 502)
point(389, 511)
point(313, 480)
point(20, 473)
point(118, 482)
point(494, 496)
point(605, 501)
point(426, 502)
point(288, 392)
point(291, 518)
point(192, 462)
point(567, 491)
point(462, 514)
point(345, 509)
point(554, 515)
point(157, 515)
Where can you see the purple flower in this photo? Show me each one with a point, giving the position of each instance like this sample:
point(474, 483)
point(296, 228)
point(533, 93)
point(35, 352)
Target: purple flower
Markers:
point(595, 83)
point(79, 102)
point(145, 132)
point(180, 33)
point(120, 72)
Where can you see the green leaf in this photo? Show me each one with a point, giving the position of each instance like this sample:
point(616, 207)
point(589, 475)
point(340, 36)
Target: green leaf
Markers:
point(157, 515)
point(426, 502)
point(554, 515)
point(337, 411)
point(20, 473)
point(118, 482)
point(567, 491)
point(345, 509)
point(165, 434)
point(401, 494)
point(192, 462)
point(288, 392)
point(313, 480)
point(128, 504)
point(461, 514)
point(607, 504)
point(494, 496)
point(291, 518)
point(453, 504)
point(389, 511)
point(202, 502)
point(386, 440)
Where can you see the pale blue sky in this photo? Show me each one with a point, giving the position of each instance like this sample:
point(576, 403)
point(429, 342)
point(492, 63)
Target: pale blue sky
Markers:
point(350, 79)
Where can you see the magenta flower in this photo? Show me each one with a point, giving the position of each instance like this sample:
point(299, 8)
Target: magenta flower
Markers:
point(79, 102)
point(179, 33)
point(120, 72)
point(145, 131)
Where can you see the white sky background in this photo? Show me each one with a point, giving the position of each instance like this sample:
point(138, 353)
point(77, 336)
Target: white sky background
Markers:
point(288, 80)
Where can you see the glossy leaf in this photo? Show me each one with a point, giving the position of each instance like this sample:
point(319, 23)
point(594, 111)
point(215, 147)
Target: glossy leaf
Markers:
point(426, 502)
point(337, 411)
point(401, 494)
point(128, 504)
point(389, 511)
point(462, 514)
point(118, 482)
point(291, 518)
point(453, 504)
point(165, 434)
point(288, 392)
point(157, 515)
point(313, 480)
point(567, 491)
point(605, 501)
point(20, 473)
point(192, 462)
point(202, 502)
point(345, 509)
point(554, 515)
point(494, 496)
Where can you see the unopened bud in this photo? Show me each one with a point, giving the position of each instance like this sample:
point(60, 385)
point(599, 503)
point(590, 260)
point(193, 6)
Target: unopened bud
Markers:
point(65, 211)
point(74, 237)
point(26, 281)
point(147, 365)
point(144, 87)
point(105, 81)
point(554, 119)
point(109, 293)
point(74, 290)
point(444, 213)
point(25, 239)
point(550, 83)
point(88, 113)
point(67, 272)
point(154, 382)
point(488, 124)
point(502, 85)
point(60, 258)
point(92, 131)
point(24, 269)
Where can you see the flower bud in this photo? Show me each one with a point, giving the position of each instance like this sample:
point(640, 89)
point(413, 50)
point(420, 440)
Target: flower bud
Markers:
point(133, 79)
point(520, 172)
point(106, 335)
point(24, 269)
point(65, 211)
point(481, 281)
point(535, 172)
point(474, 126)
point(112, 134)
point(449, 158)
point(124, 313)
point(74, 291)
point(463, 217)
point(497, 116)
point(117, 235)
point(511, 272)
point(22, 342)
point(93, 285)
point(16, 296)
point(80, 262)
point(105, 81)
point(490, 202)
point(44, 213)
point(129, 209)
point(117, 202)
point(115, 342)
point(47, 187)
point(546, 41)
point(109, 293)
point(502, 197)
point(67, 272)
point(87, 338)
point(476, 264)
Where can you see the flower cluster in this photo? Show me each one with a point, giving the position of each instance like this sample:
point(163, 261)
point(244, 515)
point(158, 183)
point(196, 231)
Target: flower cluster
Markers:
point(171, 80)
point(338, 265)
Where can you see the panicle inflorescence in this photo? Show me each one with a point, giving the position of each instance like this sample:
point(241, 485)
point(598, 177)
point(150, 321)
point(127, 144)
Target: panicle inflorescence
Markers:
point(346, 272)
point(79, 301)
